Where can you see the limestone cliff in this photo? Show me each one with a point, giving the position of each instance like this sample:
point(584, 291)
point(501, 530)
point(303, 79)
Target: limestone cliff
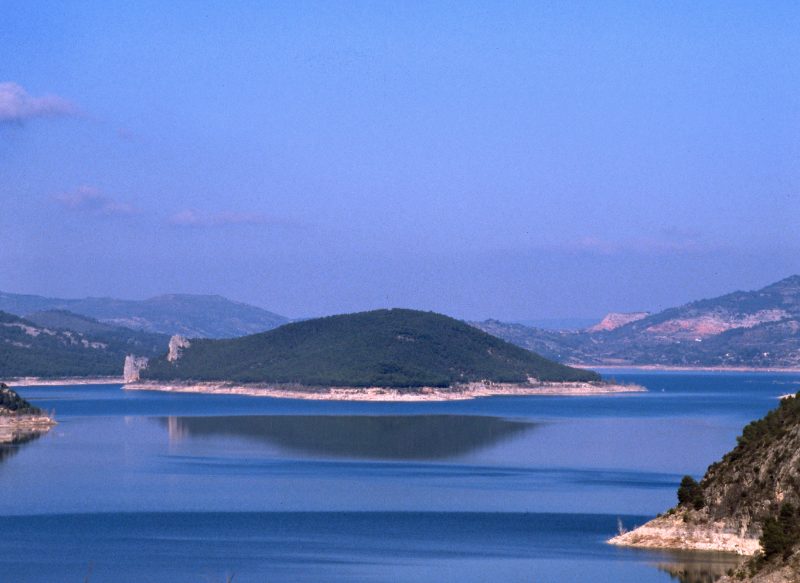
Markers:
point(176, 346)
point(133, 366)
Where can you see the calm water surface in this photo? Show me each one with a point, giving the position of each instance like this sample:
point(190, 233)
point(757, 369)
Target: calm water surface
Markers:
point(147, 486)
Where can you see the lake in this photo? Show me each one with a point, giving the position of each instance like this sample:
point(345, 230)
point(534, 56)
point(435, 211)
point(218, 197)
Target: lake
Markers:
point(159, 487)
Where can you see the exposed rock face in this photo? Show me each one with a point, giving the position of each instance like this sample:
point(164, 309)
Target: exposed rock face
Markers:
point(762, 472)
point(614, 320)
point(759, 329)
point(176, 345)
point(133, 366)
point(714, 323)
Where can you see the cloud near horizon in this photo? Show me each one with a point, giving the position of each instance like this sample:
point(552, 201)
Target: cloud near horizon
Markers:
point(641, 245)
point(194, 218)
point(18, 106)
point(89, 199)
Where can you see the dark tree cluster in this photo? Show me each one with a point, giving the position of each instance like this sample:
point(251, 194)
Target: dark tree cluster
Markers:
point(782, 533)
point(690, 494)
point(12, 403)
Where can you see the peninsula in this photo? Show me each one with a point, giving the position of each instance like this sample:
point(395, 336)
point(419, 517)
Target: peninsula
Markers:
point(747, 503)
point(388, 355)
point(19, 420)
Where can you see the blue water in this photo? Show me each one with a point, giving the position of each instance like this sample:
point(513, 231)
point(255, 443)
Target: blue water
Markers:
point(148, 486)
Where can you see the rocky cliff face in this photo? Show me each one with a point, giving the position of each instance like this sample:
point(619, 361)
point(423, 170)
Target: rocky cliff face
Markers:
point(761, 473)
point(177, 344)
point(134, 365)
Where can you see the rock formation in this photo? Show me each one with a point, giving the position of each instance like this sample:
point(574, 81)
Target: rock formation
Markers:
point(133, 366)
point(176, 345)
point(614, 320)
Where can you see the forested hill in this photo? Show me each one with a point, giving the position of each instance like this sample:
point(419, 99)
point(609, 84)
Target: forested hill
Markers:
point(391, 348)
point(61, 344)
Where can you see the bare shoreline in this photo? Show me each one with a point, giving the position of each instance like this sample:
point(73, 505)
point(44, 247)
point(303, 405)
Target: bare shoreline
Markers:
point(667, 368)
point(14, 427)
point(49, 382)
point(458, 393)
point(674, 531)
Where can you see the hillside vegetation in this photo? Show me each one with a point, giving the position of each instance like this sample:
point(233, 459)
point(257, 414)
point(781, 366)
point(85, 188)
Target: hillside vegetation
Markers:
point(390, 348)
point(12, 404)
point(61, 344)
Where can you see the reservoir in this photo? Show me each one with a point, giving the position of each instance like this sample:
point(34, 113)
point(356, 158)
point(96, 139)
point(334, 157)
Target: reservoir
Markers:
point(164, 487)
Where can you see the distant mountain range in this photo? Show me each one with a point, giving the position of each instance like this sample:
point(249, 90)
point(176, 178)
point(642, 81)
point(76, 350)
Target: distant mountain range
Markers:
point(758, 328)
point(383, 348)
point(91, 337)
point(194, 316)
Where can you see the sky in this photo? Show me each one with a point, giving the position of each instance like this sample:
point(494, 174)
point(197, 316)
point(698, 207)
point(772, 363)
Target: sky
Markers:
point(512, 160)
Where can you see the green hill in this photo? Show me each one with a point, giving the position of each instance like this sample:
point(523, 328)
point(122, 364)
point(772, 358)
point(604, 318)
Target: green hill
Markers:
point(389, 348)
point(61, 344)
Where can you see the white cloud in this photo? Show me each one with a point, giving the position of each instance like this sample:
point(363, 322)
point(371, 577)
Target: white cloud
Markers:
point(194, 218)
point(18, 106)
point(89, 199)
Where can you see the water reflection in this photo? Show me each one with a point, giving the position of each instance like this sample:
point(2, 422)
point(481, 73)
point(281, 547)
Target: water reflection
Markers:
point(699, 567)
point(404, 437)
point(11, 441)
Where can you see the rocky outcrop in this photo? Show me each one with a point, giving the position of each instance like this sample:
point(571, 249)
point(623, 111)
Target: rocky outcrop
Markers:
point(19, 419)
point(133, 367)
point(690, 530)
point(786, 572)
point(176, 346)
point(614, 320)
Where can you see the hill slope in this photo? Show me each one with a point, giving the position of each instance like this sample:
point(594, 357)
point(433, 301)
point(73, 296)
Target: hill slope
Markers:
point(758, 328)
point(391, 348)
point(208, 316)
point(45, 346)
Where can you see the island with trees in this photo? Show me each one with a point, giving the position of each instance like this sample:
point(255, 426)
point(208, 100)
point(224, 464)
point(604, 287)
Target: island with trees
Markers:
point(391, 354)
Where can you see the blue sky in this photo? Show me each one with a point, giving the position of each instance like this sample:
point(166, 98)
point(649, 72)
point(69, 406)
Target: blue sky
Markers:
point(499, 159)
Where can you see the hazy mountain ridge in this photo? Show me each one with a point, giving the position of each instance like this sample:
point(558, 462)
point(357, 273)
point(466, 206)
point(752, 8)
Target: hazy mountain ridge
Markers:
point(206, 316)
point(758, 328)
point(392, 348)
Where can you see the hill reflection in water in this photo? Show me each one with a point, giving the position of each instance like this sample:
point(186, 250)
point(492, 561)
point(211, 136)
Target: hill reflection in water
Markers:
point(388, 437)
point(703, 567)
